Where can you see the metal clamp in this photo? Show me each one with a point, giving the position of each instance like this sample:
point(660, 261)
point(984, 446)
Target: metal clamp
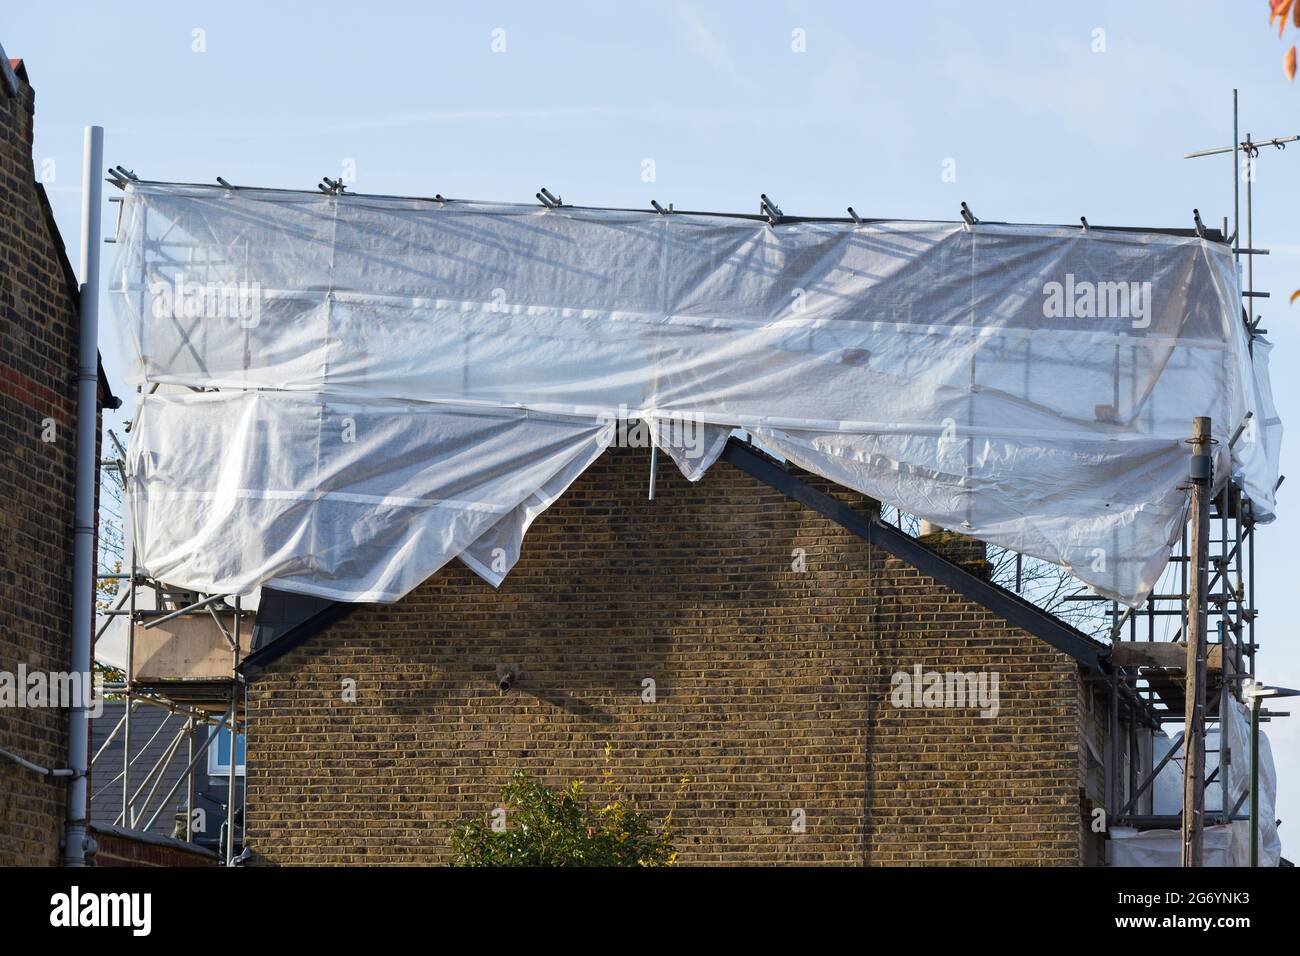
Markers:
point(769, 209)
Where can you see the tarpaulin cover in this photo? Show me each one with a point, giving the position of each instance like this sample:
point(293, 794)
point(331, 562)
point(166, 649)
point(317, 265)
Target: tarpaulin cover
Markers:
point(1226, 844)
point(359, 389)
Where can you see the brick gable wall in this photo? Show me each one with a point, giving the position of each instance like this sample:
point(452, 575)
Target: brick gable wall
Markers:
point(772, 694)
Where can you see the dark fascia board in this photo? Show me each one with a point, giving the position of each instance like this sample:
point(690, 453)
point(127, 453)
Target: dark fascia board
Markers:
point(106, 397)
point(1088, 652)
point(287, 621)
point(11, 72)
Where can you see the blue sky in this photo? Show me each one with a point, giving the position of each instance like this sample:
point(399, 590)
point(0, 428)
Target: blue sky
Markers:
point(1040, 126)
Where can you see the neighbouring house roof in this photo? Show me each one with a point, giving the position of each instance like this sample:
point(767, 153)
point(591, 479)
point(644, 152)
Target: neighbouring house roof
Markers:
point(152, 731)
point(153, 839)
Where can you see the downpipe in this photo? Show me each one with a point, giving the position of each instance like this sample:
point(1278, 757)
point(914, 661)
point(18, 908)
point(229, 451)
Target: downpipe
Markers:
point(77, 843)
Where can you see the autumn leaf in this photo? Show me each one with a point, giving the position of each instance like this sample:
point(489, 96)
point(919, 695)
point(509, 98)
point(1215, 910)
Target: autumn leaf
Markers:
point(1288, 62)
point(1278, 9)
point(1295, 295)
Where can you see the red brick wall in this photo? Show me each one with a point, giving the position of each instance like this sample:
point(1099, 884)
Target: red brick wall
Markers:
point(116, 849)
point(772, 695)
point(38, 359)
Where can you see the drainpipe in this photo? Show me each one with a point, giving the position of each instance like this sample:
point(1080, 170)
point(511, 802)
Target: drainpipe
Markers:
point(77, 842)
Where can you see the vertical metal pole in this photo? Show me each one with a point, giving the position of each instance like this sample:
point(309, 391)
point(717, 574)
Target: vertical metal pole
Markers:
point(1254, 780)
point(1250, 580)
point(1250, 231)
point(243, 791)
point(1226, 673)
point(1221, 564)
point(1112, 753)
point(654, 468)
point(76, 837)
point(230, 791)
point(1194, 707)
point(126, 767)
point(1134, 755)
point(1239, 549)
point(126, 728)
point(1236, 182)
point(234, 742)
point(189, 783)
point(1148, 768)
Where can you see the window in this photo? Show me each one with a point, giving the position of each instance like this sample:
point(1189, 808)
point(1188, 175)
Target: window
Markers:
point(219, 754)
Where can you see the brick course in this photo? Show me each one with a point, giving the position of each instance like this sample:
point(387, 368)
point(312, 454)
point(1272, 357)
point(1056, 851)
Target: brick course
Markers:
point(772, 694)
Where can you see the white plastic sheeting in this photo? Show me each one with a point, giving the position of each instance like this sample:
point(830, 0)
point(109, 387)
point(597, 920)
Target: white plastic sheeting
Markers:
point(111, 647)
point(1226, 844)
point(400, 382)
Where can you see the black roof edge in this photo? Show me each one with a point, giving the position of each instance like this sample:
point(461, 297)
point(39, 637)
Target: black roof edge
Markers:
point(1089, 652)
point(108, 399)
point(300, 618)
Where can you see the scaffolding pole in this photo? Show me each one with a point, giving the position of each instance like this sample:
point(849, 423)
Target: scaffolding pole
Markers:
point(234, 743)
point(1193, 824)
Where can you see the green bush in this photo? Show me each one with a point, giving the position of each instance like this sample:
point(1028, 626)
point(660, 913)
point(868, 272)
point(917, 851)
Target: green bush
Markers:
point(550, 827)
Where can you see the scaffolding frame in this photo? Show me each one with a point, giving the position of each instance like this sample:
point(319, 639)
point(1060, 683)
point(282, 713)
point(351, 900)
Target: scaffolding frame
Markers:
point(1208, 594)
point(208, 704)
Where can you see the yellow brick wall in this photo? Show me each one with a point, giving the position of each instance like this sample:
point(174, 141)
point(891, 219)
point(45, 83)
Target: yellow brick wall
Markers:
point(772, 695)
